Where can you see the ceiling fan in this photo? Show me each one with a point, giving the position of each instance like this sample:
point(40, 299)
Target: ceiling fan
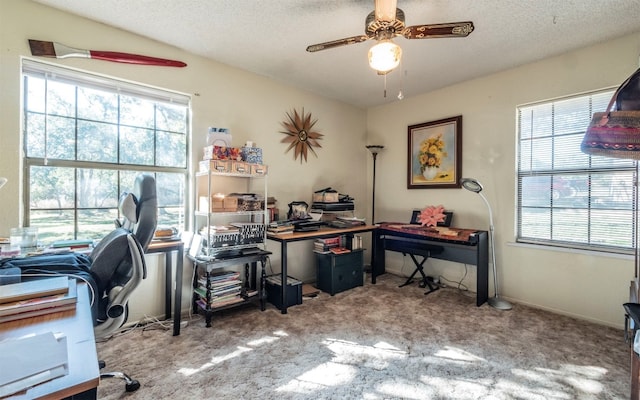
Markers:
point(387, 22)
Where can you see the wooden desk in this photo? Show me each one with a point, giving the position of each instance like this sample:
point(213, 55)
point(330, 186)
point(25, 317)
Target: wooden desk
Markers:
point(324, 232)
point(169, 247)
point(84, 374)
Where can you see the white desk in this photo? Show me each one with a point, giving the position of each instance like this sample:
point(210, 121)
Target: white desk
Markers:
point(84, 374)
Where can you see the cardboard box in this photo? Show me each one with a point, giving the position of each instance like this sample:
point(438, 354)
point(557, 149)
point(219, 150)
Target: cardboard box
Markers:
point(240, 167)
point(215, 165)
point(217, 204)
point(258, 169)
point(221, 153)
point(230, 203)
point(325, 197)
point(250, 204)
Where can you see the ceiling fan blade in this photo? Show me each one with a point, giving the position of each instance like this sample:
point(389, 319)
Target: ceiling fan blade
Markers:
point(453, 29)
point(386, 10)
point(337, 43)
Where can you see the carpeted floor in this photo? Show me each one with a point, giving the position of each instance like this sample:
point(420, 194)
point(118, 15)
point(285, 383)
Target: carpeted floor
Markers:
point(374, 342)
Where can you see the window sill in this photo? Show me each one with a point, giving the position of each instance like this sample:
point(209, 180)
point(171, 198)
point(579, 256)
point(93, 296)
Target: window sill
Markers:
point(593, 253)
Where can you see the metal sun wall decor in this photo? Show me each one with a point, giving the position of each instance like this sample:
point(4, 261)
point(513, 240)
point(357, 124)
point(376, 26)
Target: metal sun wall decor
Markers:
point(300, 134)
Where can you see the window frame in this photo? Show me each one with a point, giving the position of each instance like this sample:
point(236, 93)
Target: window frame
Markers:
point(597, 167)
point(85, 79)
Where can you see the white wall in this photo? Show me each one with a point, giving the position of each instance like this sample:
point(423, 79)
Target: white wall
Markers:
point(587, 285)
point(250, 105)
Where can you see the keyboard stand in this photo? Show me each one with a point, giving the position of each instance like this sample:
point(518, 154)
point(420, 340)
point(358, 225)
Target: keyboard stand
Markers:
point(419, 268)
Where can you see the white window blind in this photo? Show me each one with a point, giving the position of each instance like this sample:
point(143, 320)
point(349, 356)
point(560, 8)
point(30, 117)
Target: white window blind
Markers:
point(565, 197)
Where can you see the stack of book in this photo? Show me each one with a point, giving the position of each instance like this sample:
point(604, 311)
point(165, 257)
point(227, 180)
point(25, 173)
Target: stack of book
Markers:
point(325, 245)
point(280, 227)
point(78, 245)
point(37, 297)
point(272, 209)
point(224, 288)
point(353, 221)
point(339, 250)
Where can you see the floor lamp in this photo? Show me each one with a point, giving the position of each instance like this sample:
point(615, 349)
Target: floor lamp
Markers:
point(474, 186)
point(374, 149)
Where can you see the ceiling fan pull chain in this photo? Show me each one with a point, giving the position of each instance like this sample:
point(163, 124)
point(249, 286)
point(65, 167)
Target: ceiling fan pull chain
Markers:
point(403, 73)
point(385, 86)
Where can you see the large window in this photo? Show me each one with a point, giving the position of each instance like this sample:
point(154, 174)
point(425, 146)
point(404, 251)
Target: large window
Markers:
point(565, 197)
point(86, 138)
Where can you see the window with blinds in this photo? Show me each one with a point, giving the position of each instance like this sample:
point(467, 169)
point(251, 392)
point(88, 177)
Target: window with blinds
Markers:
point(565, 197)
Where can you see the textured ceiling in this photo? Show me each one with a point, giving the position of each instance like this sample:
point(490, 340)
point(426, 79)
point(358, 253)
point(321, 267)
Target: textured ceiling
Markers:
point(270, 37)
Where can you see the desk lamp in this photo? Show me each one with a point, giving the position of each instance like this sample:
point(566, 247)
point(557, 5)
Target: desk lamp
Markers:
point(474, 186)
point(374, 149)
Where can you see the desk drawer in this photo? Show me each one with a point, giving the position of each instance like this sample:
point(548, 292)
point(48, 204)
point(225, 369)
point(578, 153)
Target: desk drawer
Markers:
point(339, 272)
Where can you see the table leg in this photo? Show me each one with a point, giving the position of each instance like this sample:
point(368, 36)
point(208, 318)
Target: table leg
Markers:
point(482, 263)
point(377, 256)
point(168, 268)
point(263, 283)
point(178, 297)
point(283, 264)
point(635, 375)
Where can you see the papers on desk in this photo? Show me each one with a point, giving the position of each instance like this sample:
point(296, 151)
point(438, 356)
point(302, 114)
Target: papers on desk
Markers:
point(33, 359)
point(37, 297)
point(33, 289)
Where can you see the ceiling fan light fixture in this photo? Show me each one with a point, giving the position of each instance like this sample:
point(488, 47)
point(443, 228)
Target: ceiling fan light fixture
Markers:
point(384, 56)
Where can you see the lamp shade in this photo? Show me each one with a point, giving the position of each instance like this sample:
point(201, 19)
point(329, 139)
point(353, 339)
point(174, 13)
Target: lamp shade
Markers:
point(3, 180)
point(375, 148)
point(384, 56)
point(613, 134)
point(471, 184)
point(616, 131)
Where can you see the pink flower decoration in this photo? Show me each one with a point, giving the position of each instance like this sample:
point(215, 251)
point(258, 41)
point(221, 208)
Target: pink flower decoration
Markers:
point(431, 215)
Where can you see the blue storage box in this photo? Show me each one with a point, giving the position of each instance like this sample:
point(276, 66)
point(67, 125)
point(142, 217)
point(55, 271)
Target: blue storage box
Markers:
point(251, 155)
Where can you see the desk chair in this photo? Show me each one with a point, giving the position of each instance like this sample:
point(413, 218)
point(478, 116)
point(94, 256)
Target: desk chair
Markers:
point(114, 268)
point(118, 264)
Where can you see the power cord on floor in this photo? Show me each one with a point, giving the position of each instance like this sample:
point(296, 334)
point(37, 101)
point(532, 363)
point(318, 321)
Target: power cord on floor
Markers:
point(456, 284)
point(145, 324)
point(269, 267)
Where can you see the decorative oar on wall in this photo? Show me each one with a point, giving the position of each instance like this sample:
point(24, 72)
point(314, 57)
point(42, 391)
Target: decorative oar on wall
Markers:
point(42, 48)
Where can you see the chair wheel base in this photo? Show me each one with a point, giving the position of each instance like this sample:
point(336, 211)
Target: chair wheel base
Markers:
point(132, 386)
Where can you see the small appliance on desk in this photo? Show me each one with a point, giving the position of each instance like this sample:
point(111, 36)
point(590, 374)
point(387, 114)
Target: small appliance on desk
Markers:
point(299, 217)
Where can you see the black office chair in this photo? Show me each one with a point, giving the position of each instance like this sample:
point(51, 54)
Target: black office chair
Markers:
point(114, 268)
point(117, 262)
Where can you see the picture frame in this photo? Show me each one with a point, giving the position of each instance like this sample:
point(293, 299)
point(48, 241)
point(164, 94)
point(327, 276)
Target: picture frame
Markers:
point(434, 157)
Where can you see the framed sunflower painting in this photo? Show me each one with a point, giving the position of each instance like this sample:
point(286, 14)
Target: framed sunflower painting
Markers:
point(435, 154)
